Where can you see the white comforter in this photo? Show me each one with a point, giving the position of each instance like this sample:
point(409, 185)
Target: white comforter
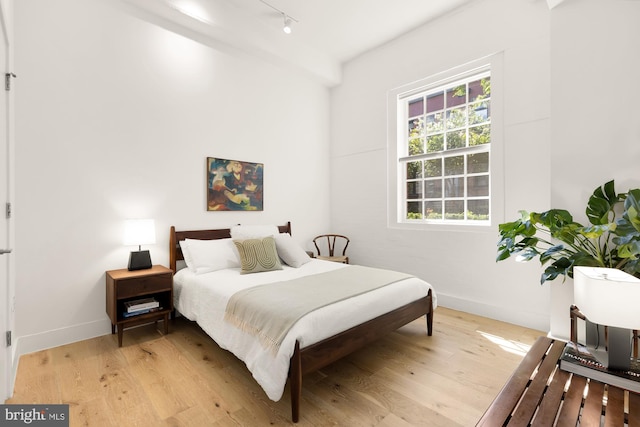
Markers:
point(203, 298)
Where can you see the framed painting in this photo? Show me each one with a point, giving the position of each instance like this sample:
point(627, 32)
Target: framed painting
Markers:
point(233, 185)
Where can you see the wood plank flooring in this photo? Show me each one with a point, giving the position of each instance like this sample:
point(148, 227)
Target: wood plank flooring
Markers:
point(185, 379)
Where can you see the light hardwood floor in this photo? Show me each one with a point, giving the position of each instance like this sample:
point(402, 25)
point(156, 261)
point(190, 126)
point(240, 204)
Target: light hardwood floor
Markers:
point(185, 379)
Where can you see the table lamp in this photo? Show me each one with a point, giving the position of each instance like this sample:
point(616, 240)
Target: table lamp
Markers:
point(139, 232)
point(608, 298)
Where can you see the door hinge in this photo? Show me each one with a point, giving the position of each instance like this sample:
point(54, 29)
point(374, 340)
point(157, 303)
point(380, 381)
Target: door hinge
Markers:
point(8, 210)
point(7, 80)
point(8, 338)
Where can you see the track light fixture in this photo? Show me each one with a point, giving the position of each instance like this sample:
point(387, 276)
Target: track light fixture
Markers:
point(288, 19)
point(287, 24)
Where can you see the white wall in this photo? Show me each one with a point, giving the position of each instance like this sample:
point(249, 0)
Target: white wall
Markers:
point(461, 265)
point(115, 119)
point(595, 131)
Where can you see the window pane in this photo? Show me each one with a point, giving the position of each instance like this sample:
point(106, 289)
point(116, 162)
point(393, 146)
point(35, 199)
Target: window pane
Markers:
point(454, 187)
point(479, 135)
point(433, 210)
point(416, 146)
point(433, 188)
point(478, 186)
point(480, 88)
point(478, 210)
point(433, 167)
point(434, 123)
point(414, 190)
point(454, 209)
point(435, 143)
point(414, 170)
point(457, 118)
point(414, 210)
point(415, 127)
point(456, 96)
point(456, 139)
point(416, 107)
point(478, 163)
point(435, 102)
point(454, 165)
point(479, 112)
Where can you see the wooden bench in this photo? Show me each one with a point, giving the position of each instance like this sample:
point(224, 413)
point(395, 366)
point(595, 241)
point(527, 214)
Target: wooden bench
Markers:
point(539, 393)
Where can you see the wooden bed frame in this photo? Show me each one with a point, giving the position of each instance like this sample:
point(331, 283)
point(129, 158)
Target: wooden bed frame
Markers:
point(329, 350)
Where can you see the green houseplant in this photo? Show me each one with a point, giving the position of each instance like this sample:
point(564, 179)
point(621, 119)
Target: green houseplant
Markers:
point(611, 240)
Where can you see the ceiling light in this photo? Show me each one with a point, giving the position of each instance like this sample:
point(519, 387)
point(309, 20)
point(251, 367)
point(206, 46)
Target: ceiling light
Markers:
point(288, 19)
point(287, 25)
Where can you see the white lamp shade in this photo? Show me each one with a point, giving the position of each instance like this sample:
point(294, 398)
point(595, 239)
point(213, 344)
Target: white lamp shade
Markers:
point(139, 232)
point(607, 296)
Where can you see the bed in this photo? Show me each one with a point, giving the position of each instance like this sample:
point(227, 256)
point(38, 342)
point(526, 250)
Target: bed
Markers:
point(346, 325)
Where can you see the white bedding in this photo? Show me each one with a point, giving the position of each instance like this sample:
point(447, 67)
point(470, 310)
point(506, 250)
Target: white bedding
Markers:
point(203, 298)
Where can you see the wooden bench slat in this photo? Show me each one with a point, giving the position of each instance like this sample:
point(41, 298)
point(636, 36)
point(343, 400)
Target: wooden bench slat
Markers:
point(553, 397)
point(572, 402)
point(592, 405)
point(614, 412)
point(634, 409)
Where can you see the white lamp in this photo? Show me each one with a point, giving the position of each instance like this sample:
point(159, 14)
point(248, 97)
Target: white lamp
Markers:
point(139, 232)
point(609, 298)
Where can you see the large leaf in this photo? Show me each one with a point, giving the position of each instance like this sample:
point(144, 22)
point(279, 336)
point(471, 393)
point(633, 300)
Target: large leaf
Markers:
point(629, 250)
point(527, 254)
point(632, 208)
point(600, 205)
point(560, 267)
point(595, 231)
point(553, 218)
point(550, 253)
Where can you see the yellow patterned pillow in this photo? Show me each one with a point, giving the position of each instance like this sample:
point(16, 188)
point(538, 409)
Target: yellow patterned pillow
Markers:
point(258, 255)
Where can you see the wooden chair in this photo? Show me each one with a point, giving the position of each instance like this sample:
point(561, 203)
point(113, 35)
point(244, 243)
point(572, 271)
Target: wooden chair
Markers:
point(331, 246)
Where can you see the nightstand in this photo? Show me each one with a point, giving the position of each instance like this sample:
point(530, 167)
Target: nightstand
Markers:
point(124, 286)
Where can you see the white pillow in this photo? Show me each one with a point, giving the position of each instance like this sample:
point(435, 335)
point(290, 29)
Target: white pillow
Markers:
point(244, 232)
point(290, 252)
point(204, 256)
point(186, 255)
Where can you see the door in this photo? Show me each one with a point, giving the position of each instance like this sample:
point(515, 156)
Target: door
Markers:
point(6, 285)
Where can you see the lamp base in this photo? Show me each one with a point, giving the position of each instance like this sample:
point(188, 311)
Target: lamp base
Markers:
point(612, 347)
point(139, 260)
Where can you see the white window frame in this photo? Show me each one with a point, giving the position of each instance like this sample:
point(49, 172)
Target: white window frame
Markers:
point(396, 144)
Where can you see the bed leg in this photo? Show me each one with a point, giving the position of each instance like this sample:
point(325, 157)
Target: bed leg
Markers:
point(430, 316)
point(296, 383)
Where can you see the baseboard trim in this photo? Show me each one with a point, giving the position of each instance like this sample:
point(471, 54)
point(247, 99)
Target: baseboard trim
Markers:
point(516, 315)
point(56, 337)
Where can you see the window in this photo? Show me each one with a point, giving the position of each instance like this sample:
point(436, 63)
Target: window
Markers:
point(444, 146)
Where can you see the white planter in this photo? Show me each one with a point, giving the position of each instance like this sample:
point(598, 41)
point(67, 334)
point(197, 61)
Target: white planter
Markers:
point(561, 301)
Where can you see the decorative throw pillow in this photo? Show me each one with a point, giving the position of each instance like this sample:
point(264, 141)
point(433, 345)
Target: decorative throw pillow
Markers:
point(290, 252)
point(243, 232)
point(258, 255)
point(204, 256)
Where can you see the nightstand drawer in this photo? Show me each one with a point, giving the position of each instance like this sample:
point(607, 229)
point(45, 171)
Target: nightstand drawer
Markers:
point(128, 288)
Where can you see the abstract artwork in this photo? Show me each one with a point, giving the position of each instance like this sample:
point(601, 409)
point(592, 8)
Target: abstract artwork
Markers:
point(233, 185)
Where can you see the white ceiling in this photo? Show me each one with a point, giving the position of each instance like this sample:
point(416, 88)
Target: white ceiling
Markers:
point(328, 32)
point(343, 29)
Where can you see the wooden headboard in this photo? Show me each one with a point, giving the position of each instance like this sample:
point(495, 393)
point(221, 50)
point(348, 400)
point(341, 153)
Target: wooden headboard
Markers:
point(175, 252)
